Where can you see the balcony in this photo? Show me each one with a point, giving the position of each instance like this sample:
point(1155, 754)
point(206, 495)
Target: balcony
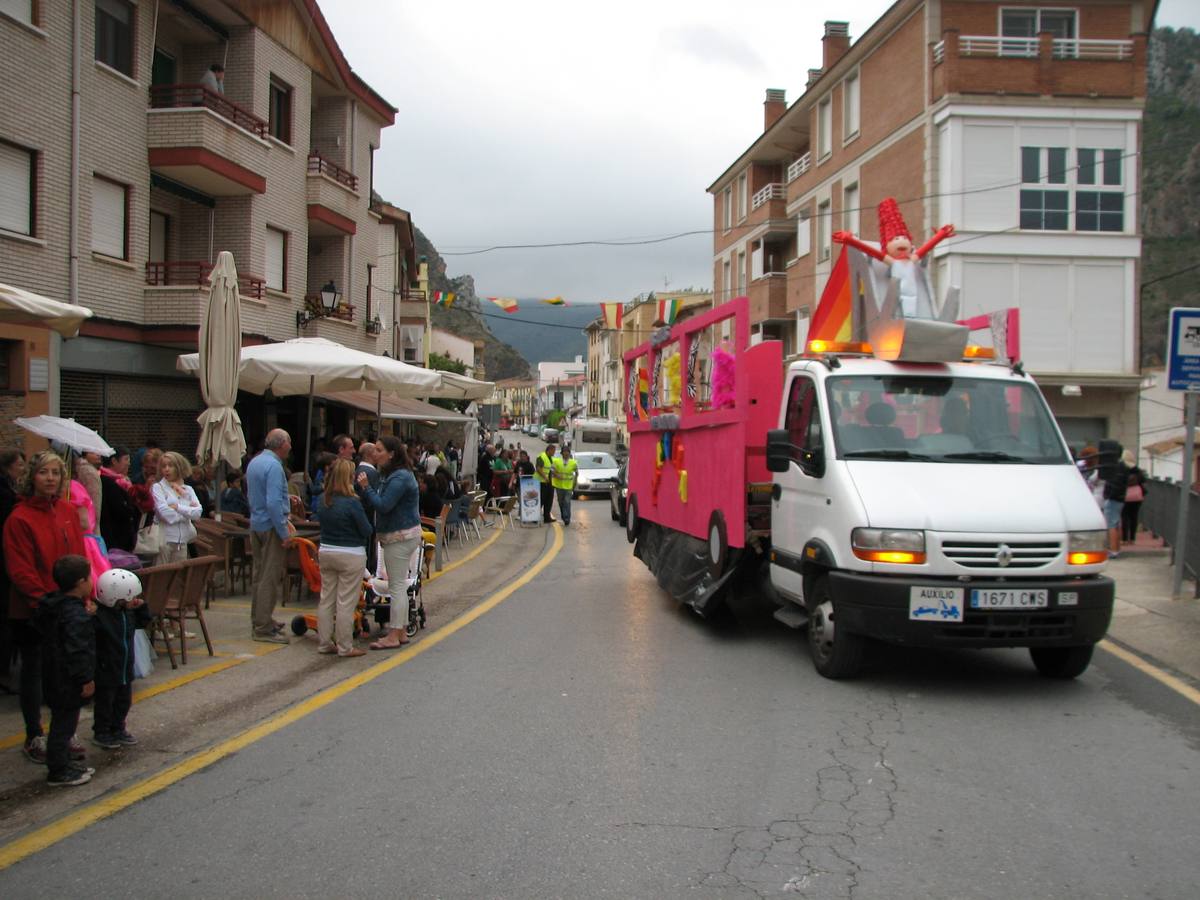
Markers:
point(771, 192)
point(195, 273)
point(343, 312)
point(799, 167)
point(412, 307)
point(1038, 66)
point(206, 142)
point(176, 292)
point(332, 198)
point(768, 297)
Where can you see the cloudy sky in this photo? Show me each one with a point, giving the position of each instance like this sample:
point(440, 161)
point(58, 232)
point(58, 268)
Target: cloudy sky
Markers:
point(539, 122)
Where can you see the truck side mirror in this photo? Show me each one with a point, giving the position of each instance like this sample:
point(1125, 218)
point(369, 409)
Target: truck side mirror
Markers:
point(812, 462)
point(779, 450)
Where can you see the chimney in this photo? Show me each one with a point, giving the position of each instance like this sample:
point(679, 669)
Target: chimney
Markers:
point(773, 107)
point(813, 76)
point(835, 43)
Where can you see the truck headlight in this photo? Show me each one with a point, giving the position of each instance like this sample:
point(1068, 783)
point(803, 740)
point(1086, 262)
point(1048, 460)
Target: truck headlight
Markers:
point(1086, 548)
point(889, 545)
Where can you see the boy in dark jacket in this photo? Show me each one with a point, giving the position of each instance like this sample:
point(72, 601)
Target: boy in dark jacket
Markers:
point(120, 609)
point(68, 631)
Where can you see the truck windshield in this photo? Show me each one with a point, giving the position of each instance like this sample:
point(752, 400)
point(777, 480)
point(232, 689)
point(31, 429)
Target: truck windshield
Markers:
point(942, 419)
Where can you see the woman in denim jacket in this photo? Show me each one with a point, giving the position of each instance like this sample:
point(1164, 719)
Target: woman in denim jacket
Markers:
point(398, 526)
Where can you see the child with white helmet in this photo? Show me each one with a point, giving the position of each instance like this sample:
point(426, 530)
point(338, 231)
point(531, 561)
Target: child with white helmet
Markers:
point(120, 611)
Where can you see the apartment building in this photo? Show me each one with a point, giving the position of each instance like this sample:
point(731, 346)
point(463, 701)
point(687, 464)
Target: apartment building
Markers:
point(603, 370)
point(1018, 122)
point(122, 201)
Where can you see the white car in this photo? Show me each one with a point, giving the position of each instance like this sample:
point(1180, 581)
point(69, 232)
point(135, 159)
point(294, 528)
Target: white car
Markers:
point(597, 473)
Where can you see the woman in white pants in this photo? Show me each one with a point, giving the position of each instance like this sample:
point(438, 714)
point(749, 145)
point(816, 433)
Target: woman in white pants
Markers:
point(345, 532)
point(176, 506)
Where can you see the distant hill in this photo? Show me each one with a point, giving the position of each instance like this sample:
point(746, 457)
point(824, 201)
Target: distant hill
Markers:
point(543, 333)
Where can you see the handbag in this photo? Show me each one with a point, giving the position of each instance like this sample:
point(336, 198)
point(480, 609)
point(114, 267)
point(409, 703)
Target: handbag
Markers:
point(1134, 494)
point(149, 537)
point(143, 654)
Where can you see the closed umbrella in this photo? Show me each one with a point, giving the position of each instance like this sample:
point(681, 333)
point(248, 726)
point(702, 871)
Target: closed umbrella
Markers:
point(66, 431)
point(21, 307)
point(221, 436)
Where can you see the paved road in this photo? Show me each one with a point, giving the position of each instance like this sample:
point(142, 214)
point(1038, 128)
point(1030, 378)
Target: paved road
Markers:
point(587, 738)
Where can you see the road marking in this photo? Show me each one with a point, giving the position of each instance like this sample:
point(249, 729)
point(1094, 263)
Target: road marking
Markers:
point(74, 822)
point(1176, 684)
point(470, 556)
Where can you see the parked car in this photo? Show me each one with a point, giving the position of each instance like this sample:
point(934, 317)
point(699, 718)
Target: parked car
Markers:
point(550, 435)
point(531, 429)
point(617, 495)
point(597, 473)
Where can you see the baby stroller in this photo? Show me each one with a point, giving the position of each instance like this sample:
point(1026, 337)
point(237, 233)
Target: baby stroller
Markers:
point(382, 598)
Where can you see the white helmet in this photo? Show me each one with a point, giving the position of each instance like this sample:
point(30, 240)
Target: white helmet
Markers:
point(117, 584)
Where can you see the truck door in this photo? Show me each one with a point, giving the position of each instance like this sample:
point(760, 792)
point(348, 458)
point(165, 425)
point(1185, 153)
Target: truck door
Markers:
point(802, 492)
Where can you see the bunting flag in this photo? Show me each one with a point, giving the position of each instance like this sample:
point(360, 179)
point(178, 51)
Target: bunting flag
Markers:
point(614, 315)
point(443, 299)
point(508, 304)
point(831, 321)
point(667, 310)
point(555, 301)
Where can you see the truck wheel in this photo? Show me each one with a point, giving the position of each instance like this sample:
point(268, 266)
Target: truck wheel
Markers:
point(632, 523)
point(835, 653)
point(1062, 662)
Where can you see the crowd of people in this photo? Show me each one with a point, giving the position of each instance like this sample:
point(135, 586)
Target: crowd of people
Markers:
point(1118, 486)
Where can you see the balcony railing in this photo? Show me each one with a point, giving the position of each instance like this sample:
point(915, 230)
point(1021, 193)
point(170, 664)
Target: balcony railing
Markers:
point(774, 191)
point(180, 96)
point(187, 273)
point(1027, 48)
point(343, 312)
point(799, 167)
point(319, 165)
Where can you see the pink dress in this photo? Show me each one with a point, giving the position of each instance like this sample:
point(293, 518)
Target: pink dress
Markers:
point(93, 544)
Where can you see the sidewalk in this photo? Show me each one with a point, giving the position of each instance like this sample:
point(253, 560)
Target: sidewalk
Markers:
point(179, 712)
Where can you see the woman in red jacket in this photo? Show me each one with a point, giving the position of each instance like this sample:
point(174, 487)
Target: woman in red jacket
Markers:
point(42, 528)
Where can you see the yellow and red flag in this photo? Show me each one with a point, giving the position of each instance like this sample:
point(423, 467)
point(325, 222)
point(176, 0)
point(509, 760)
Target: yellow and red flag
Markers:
point(614, 315)
point(555, 301)
point(508, 304)
point(833, 318)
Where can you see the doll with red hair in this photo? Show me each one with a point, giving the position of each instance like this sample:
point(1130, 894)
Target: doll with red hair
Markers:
point(896, 250)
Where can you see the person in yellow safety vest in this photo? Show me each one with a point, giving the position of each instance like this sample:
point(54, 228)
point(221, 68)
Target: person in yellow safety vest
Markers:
point(543, 471)
point(566, 471)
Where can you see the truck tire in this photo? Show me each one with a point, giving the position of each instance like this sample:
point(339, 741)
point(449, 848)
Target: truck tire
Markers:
point(835, 653)
point(632, 522)
point(1062, 662)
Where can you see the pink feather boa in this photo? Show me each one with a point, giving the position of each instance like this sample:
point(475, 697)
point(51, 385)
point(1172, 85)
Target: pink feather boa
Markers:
point(723, 379)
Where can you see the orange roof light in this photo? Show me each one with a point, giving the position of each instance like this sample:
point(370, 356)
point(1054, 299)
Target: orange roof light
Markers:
point(974, 351)
point(816, 347)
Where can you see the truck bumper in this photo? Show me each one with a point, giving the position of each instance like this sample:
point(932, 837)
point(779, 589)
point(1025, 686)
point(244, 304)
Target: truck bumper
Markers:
point(878, 606)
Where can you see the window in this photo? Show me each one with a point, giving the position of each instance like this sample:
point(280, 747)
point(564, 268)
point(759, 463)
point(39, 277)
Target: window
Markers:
point(8, 350)
point(741, 262)
point(17, 189)
point(727, 207)
point(110, 218)
point(1044, 210)
point(824, 128)
point(1098, 210)
point(276, 259)
point(279, 123)
point(1029, 23)
point(159, 229)
point(803, 419)
point(726, 280)
point(803, 233)
point(410, 344)
point(1051, 209)
point(851, 112)
point(21, 10)
point(114, 35)
point(850, 209)
point(823, 231)
point(742, 188)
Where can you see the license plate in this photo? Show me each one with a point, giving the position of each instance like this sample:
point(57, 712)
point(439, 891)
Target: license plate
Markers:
point(935, 604)
point(997, 598)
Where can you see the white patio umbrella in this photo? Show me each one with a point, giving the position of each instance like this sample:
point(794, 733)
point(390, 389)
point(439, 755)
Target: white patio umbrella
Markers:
point(460, 387)
point(221, 435)
point(66, 431)
point(22, 307)
point(308, 365)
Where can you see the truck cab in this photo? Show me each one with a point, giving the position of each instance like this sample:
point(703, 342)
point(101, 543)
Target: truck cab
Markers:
point(931, 504)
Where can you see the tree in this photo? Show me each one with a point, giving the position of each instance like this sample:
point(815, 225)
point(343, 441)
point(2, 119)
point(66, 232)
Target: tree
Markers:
point(446, 364)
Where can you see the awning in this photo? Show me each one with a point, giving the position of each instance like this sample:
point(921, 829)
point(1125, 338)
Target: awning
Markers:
point(404, 409)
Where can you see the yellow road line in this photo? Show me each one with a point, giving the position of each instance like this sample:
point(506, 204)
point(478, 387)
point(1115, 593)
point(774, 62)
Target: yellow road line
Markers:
point(470, 556)
point(1177, 685)
point(51, 834)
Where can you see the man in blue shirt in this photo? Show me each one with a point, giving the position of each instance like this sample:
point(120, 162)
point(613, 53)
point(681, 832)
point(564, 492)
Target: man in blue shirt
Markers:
point(270, 533)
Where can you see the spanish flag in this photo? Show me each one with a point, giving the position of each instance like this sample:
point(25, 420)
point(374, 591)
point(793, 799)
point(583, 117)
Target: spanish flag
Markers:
point(555, 301)
point(832, 319)
point(667, 311)
point(508, 304)
point(614, 315)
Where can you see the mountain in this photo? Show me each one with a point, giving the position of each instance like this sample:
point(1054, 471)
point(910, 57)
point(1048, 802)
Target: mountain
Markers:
point(544, 333)
point(1170, 199)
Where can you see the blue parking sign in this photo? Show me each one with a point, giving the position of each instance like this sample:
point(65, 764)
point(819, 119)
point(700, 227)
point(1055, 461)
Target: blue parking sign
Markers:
point(1183, 350)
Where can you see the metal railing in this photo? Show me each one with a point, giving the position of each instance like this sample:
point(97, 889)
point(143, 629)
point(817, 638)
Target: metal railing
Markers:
point(1160, 516)
point(1092, 48)
point(799, 167)
point(774, 191)
point(1029, 48)
point(319, 165)
point(190, 272)
point(344, 312)
point(939, 52)
point(178, 96)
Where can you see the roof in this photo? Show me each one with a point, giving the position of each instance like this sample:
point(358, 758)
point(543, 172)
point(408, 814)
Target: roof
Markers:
point(356, 85)
point(395, 407)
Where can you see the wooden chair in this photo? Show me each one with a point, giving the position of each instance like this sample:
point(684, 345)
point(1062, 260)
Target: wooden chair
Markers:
point(438, 526)
point(184, 600)
point(219, 543)
point(158, 583)
point(233, 518)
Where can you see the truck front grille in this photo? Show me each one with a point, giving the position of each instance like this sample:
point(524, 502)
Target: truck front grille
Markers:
point(1011, 626)
point(1001, 555)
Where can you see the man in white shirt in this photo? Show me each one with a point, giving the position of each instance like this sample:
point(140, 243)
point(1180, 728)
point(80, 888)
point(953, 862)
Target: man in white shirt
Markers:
point(214, 79)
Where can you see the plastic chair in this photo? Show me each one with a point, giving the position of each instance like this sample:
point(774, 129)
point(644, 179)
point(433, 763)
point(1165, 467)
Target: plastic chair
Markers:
point(456, 521)
point(184, 600)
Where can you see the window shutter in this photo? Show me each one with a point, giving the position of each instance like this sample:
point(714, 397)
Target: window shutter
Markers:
point(16, 206)
point(108, 218)
point(756, 262)
point(21, 10)
point(803, 235)
point(276, 259)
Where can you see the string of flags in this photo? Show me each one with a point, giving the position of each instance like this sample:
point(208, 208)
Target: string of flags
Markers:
point(613, 313)
point(443, 298)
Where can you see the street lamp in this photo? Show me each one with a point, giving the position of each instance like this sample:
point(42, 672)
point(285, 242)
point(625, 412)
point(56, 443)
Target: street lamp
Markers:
point(330, 298)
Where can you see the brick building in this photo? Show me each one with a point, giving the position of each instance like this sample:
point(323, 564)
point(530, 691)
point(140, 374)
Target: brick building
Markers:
point(1017, 122)
point(164, 174)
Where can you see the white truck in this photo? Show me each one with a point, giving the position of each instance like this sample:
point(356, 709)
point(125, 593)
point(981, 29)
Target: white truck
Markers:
point(598, 435)
point(921, 503)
